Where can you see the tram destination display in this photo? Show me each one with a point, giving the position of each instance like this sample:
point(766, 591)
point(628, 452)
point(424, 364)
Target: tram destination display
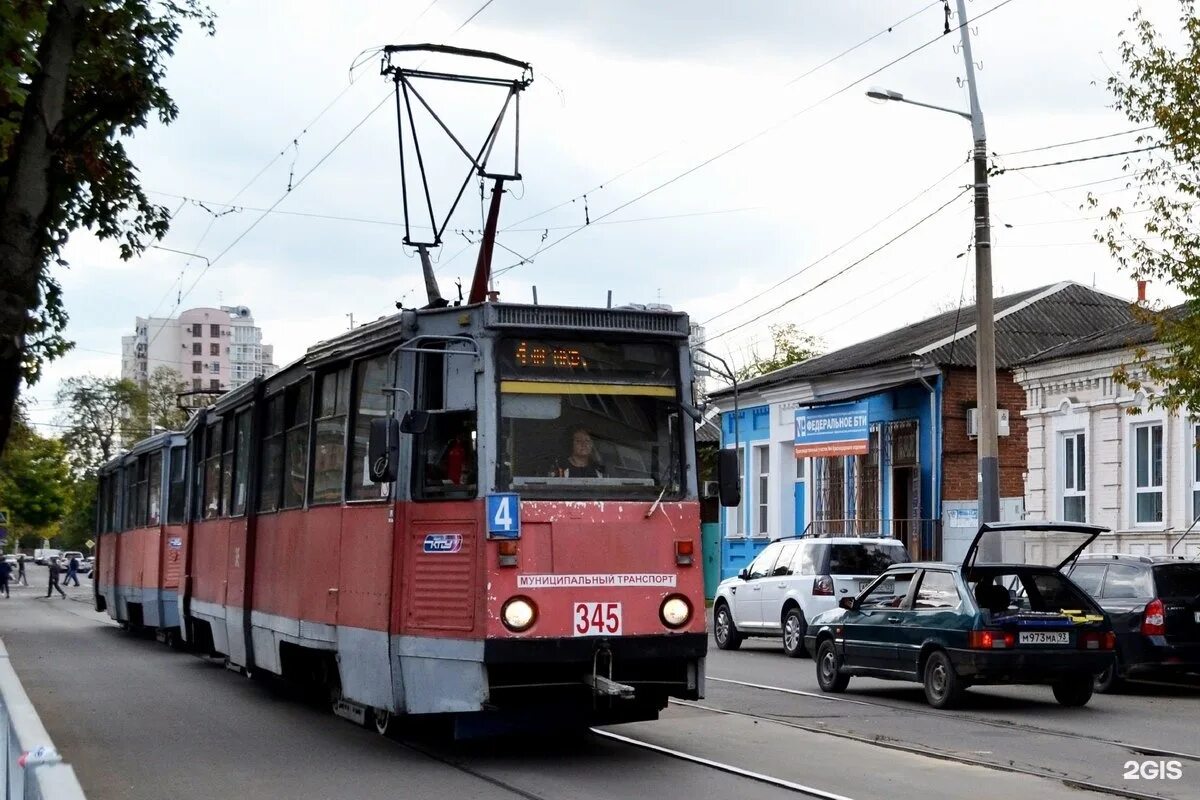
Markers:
point(561, 359)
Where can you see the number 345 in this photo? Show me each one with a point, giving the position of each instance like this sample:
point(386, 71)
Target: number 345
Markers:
point(1153, 770)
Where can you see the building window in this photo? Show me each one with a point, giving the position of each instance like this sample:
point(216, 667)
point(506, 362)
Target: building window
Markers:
point(197, 366)
point(762, 460)
point(830, 514)
point(197, 383)
point(1195, 471)
point(214, 349)
point(1074, 477)
point(214, 384)
point(215, 368)
point(197, 330)
point(196, 349)
point(1148, 473)
point(739, 521)
point(800, 462)
point(214, 331)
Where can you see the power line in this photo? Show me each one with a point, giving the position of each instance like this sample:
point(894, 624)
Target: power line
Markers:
point(1078, 160)
point(846, 268)
point(1076, 141)
point(659, 154)
point(769, 129)
point(837, 249)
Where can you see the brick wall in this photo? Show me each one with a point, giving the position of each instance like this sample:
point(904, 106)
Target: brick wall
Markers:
point(960, 454)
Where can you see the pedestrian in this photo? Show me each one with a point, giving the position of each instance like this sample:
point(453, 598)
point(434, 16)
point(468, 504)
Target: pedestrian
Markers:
point(72, 571)
point(54, 573)
point(5, 574)
point(21, 570)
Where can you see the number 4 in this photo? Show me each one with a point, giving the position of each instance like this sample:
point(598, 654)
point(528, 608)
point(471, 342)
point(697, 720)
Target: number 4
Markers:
point(503, 518)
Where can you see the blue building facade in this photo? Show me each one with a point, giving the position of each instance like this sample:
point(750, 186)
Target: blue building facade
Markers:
point(893, 490)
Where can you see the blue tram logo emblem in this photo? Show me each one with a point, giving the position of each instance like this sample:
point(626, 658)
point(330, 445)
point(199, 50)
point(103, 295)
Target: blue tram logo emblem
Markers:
point(443, 542)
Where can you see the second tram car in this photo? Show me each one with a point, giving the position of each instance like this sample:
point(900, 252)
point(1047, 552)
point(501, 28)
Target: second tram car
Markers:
point(487, 512)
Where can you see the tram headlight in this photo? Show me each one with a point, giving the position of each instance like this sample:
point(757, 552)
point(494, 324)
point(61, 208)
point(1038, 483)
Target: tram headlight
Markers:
point(518, 613)
point(675, 611)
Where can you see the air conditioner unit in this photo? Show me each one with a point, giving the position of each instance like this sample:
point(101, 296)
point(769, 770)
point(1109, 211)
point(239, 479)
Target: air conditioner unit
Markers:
point(973, 422)
point(710, 490)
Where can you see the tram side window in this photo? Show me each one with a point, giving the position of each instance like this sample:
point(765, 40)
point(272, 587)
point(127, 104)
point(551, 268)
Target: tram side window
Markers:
point(129, 517)
point(140, 509)
point(329, 452)
point(241, 462)
point(446, 455)
point(296, 409)
point(176, 484)
point(212, 470)
point(368, 401)
point(227, 431)
point(196, 457)
point(154, 489)
point(271, 465)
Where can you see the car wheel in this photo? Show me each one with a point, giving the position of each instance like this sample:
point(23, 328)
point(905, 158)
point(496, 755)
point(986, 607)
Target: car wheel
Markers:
point(794, 628)
point(1109, 681)
point(943, 687)
point(829, 674)
point(1074, 692)
point(724, 631)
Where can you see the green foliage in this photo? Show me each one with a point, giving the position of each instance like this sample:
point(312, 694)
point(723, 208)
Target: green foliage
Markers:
point(1159, 88)
point(114, 87)
point(102, 415)
point(162, 400)
point(33, 480)
point(79, 519)
point(789, 345)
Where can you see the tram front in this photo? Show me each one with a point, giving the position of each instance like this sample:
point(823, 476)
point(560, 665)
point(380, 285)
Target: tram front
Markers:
point(596, 599)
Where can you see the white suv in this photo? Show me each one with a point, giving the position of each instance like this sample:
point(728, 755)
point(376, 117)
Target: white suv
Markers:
point(794, 579)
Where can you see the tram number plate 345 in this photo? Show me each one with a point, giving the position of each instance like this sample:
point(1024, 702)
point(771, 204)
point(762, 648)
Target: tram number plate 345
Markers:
point(596, 619)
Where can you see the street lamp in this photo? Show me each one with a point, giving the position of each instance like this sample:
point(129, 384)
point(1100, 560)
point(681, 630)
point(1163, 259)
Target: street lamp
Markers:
point(985, 336)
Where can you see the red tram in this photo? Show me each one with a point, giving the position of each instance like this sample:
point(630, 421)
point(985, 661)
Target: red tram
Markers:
point(485, 511)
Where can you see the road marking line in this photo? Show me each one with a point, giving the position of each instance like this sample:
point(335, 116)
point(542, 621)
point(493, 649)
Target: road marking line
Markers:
point(745, 773)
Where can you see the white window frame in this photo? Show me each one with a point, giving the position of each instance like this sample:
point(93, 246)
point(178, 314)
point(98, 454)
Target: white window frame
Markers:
point(1194, 460)
point(761, 522)
point(738, 528)
point(1151, 488)
point(1070, 480)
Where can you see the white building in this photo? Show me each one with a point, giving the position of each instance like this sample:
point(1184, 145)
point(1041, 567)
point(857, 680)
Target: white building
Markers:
point(214, 349)
point(1092, 460)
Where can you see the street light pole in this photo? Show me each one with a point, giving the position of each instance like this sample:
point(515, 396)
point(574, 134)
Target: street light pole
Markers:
point(985, 331)
point(988, 485)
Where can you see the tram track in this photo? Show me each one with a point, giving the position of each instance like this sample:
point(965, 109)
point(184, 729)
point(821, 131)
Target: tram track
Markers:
point(1143, 750)
point(929, 752)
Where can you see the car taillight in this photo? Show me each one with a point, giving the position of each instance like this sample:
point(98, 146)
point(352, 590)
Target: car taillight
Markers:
point(991, 640)
point(1154, 623)
point(823, 585)
point(684, 549)
point(1097, 640)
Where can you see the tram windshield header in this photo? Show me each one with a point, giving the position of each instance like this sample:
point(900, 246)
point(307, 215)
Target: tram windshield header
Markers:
point(582, 420)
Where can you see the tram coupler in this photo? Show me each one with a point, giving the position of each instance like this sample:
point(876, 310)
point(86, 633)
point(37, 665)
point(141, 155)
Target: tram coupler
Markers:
point(605, 686)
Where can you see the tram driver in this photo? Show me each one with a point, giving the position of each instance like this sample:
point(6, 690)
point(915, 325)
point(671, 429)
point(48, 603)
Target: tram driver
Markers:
point(581, 460)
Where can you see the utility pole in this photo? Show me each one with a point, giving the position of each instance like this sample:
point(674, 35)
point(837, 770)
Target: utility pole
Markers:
point(985, 331)
point(351, 316)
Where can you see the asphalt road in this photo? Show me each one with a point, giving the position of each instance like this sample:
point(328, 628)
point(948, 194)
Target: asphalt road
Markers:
point(138, 720)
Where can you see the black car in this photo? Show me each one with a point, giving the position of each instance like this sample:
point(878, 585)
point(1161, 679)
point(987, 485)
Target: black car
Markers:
point(1154, 605)
point(951, 626)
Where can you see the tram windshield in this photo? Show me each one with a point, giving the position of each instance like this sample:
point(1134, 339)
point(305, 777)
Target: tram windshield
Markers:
point(583, 420)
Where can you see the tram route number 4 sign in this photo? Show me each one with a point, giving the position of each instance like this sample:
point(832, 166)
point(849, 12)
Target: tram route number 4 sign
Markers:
point(504, 516)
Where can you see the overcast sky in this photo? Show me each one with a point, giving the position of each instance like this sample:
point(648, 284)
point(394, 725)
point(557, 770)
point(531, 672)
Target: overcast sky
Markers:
point(626, 95)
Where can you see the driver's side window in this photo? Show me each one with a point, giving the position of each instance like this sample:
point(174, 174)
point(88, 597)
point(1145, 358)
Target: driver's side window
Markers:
point(445, 453)
point(890, 592)
point(761, 566)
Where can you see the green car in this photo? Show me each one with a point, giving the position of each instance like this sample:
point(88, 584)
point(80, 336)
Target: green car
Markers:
point(951, 626)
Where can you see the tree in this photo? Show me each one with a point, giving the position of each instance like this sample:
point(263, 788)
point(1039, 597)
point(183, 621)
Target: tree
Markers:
point(162, 399)
point(1158, 91)
point(78, 76)
point(102, 414)
point(79, 516)
point(789, 345)
point(33, 480)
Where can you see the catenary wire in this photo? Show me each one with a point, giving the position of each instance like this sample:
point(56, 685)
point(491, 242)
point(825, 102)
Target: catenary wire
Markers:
point(1076, 141)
